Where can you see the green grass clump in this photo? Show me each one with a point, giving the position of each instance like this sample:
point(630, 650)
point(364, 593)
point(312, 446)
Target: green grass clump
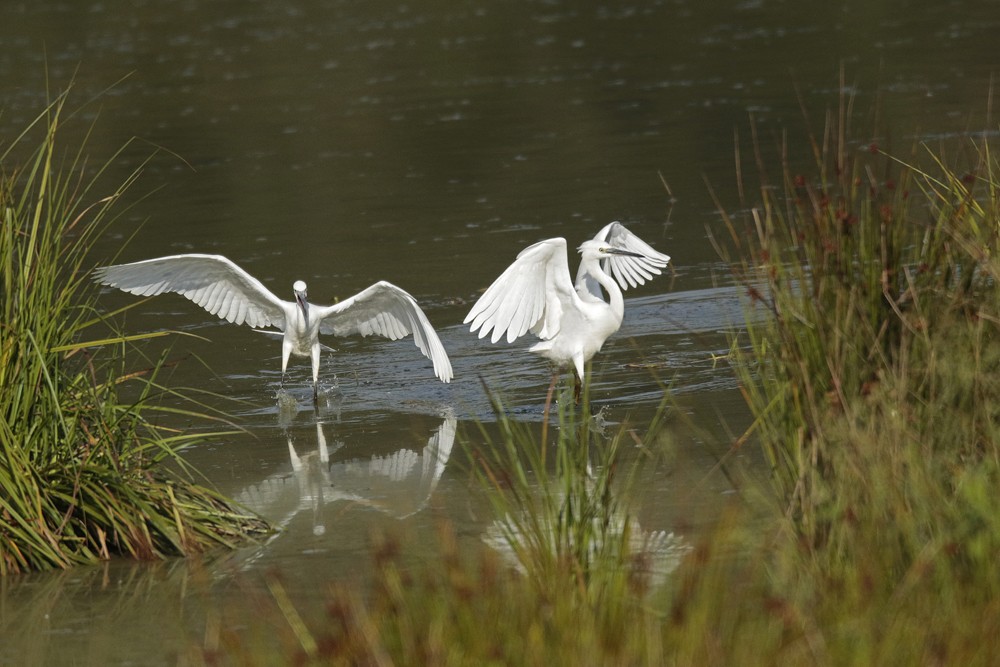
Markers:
point(877, 349)
point(82, 474)
point(570, 516)
point(871, 362)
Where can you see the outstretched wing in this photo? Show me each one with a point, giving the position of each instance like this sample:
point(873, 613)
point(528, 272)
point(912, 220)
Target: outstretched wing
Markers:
point(530, 295)
point(211, 281)
point(388, 311)
point(627, 271)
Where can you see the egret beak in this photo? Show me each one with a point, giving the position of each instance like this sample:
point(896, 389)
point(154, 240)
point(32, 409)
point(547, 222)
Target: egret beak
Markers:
point(622, 251)
point(300, 299)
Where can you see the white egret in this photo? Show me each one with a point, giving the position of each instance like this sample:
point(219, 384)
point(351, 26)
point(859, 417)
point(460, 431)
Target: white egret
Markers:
point(222, 288)
point(536, 294)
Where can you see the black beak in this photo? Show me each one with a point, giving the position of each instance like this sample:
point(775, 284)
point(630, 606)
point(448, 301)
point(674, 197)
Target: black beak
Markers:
point(621, 251)
point(304, 305)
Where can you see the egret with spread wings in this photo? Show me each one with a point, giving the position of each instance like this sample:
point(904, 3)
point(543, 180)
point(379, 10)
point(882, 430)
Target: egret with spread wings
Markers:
point(536, 294)
point(224, 289)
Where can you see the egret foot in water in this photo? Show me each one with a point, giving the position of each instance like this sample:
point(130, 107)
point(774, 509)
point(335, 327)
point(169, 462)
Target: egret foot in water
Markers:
point(328, 398)
point(288, 407)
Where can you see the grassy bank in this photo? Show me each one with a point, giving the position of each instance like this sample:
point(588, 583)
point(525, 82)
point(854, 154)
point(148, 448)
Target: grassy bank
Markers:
point(81, 472)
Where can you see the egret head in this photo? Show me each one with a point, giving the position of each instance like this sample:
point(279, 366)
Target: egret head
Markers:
point(299, 287)
point(599, 249)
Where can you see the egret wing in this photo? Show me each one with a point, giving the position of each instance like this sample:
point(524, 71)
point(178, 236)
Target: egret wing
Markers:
point(530, 295)
point(213, 282)
point(388, 311)
point(627, 271)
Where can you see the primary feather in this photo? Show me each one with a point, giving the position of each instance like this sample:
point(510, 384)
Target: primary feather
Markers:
point(211, 281)
point(386, 310)
point(628, 271)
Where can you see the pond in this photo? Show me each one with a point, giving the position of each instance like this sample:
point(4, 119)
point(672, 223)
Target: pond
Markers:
point(427, 144)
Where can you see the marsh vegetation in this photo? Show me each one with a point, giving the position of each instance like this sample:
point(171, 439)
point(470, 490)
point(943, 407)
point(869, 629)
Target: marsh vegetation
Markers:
point(82, 469)
point(868, 357)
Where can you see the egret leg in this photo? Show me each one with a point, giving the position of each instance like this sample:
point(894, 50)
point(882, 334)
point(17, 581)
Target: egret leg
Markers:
point(286, 351)
point(315, 369)
point(548, 406)
point(580, 368)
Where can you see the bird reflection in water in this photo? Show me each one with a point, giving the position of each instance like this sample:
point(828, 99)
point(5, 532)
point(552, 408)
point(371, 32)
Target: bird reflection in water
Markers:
point(399, 484)
point(652, 554)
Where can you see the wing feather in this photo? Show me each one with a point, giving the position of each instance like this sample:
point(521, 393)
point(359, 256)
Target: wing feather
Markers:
point(386, 310)
point(213, 282)
point(627, 271)
point(242, 307)
point(528, 296)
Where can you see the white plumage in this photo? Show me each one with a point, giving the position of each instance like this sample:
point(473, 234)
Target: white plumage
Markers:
point(224, 289)
point(572, 321)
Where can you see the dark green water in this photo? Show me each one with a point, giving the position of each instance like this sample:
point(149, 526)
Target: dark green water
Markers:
point(426, 144)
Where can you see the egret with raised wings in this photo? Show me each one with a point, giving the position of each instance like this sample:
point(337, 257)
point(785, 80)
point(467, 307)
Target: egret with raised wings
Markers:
point(536, 294)
point(224, 289)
